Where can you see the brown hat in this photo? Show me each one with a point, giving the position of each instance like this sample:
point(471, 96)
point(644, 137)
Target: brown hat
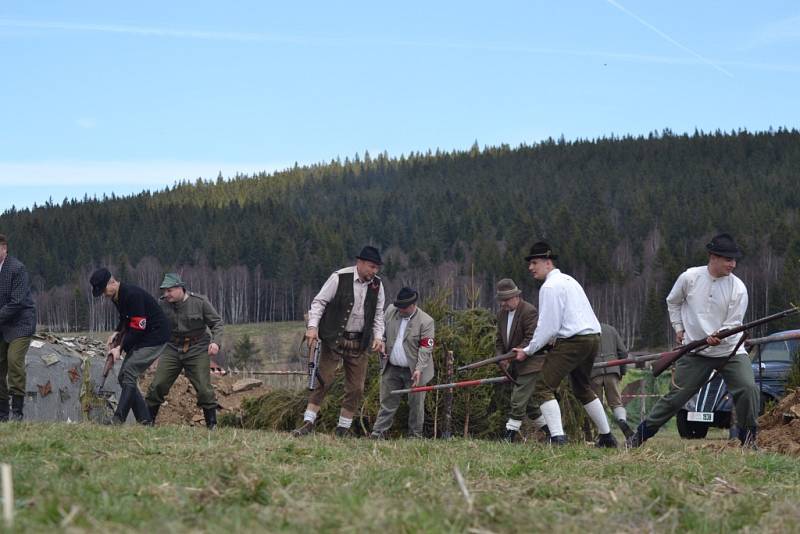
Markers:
point(506, 289)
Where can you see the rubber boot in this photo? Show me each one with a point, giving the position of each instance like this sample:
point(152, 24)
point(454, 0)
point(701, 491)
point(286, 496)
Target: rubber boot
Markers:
point(210, 415)
point(17, 401)
point(3, 410)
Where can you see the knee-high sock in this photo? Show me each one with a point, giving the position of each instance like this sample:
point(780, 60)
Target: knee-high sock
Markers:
point(513, 424)
point(539, 422)
point(598, 415)
point(552, 414)
point(620, 413)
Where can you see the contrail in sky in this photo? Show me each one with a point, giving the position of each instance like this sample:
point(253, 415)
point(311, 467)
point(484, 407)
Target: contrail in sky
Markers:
point(649, 26)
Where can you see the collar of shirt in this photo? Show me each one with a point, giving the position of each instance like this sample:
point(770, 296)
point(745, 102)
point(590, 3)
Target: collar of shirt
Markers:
point(1, 265)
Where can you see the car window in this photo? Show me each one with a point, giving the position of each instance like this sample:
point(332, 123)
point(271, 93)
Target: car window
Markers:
point(780, 351)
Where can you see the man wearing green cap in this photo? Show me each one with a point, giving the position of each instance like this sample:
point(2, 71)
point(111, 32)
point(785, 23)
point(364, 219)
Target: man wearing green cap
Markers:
point(196, 338)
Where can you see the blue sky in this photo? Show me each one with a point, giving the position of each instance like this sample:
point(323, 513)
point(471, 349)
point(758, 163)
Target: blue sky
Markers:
point(108, 96)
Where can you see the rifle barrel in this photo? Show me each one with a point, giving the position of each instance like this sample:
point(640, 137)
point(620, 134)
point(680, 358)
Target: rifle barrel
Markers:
point(464, 384)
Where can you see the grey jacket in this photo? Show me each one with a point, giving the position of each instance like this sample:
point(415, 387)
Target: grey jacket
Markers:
point(611, 348)
point(17, 310)
point(418, 341)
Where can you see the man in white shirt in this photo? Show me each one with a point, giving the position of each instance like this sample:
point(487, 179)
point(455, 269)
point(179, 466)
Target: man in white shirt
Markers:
point(568, 324)
point(410, 341)
point(703, 301)
point(346, 316)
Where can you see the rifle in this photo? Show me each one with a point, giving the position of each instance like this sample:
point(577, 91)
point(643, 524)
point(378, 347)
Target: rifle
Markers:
point(116, 341)
point(664, 359)
point(313, 362)
point(496, 359)
point(464, 384)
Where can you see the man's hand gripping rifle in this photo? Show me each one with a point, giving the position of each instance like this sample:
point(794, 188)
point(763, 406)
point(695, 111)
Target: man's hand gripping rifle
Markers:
point(314, 346)
point(663, 360)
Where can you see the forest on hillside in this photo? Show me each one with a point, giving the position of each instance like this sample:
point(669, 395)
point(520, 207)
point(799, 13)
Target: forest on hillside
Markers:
point(626, 215)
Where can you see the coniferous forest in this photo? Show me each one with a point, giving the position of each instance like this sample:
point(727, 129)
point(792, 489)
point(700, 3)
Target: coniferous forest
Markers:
point(626, 215)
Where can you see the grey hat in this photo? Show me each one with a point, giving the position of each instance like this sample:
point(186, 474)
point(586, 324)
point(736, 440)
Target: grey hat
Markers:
point(172, 280)
point(506, 289)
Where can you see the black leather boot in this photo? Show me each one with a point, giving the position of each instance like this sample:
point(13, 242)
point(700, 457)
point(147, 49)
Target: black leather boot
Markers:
point(3, 410)
point(606, 441)
point(748, 437)
point(123, 405)
point(510, 436)
point(210, 415)
point(140, 409)
point(626, 429)
point(642, 434)
point(17, 401)
point(153, 412)
point(558, 440)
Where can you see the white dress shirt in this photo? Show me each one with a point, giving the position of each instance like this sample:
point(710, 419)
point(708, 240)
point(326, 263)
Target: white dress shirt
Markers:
point(701, 305)
point(355, 323)
point(509, 323)
point(564, 312)
point(398, 356)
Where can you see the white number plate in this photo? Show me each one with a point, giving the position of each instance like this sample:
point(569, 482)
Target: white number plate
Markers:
point(700, 417)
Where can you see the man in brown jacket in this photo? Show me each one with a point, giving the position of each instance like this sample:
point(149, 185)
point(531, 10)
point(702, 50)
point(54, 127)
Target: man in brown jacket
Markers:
point(516, 322)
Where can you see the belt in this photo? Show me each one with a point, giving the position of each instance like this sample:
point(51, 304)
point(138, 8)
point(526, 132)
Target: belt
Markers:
point(186, 341)
point(352, 335)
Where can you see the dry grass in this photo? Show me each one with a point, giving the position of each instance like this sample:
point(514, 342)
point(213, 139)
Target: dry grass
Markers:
point(179, 479)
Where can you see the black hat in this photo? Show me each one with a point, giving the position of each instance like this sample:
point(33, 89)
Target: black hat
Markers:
point(369, 253)
point(724, 245)
point(99, 280)
point(541, 250)
point(405, 298)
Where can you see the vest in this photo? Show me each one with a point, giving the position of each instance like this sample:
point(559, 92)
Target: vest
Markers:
point(334, 318)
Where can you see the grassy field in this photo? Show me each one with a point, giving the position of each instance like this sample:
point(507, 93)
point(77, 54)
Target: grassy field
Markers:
point(180, 479)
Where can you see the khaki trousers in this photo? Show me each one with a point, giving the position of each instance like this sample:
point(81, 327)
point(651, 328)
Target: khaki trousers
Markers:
point(608, 384)
point(355, 363)
point(195, 363)
point(12, 366)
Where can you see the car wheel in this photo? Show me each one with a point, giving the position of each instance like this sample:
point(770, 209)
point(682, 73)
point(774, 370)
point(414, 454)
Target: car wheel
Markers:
point(690, 429)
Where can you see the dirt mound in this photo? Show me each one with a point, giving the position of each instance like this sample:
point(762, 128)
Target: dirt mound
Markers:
point(779, 429)
point(180, 407)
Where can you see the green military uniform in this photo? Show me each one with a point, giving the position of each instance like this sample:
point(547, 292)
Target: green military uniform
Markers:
point(195, 325)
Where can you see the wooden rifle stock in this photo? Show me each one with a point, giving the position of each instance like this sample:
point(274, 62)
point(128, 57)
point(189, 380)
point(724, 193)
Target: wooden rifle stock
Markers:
point(663, 360)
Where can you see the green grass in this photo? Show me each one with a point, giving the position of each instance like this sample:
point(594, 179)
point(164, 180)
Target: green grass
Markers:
point(181, 479)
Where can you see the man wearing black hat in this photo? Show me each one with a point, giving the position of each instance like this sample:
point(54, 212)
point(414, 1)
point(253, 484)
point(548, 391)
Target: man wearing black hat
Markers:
point(144, 332)
point(516, 322)
point(410, 338)
point(703, 301)
point(196, 338)
point(567, 323)
point(17, 326)
point(347, 317)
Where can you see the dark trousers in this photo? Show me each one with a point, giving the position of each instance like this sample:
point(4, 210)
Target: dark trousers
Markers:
point(573, 357)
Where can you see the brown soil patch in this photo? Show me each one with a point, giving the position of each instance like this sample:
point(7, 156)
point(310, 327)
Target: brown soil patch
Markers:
point(779, 429)
point(180, 407)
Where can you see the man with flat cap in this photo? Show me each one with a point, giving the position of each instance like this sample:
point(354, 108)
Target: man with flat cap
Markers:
point(703, 301)
point(142, 334)
point(516, 322)
point(410, 338)
point(346, 316)
point(17, 326)
point(568, 324)
point(196, 338)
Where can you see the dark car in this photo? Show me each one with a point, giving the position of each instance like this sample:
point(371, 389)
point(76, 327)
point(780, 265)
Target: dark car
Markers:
point(772, 357)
